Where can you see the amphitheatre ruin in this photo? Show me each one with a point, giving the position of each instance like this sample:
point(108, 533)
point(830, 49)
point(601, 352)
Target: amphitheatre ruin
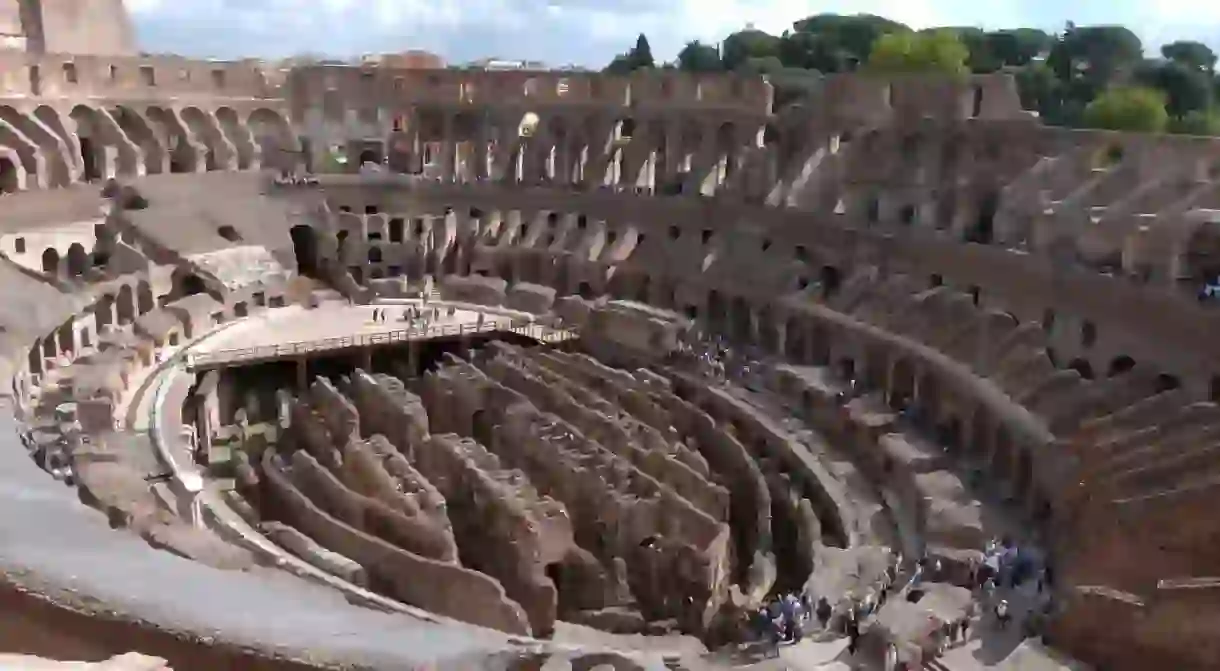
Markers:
point(557, 368)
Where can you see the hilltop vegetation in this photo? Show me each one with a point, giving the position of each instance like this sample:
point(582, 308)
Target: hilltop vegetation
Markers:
point(1086, 76)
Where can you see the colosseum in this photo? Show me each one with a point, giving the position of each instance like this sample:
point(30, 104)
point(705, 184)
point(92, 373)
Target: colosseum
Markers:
point(367, 367)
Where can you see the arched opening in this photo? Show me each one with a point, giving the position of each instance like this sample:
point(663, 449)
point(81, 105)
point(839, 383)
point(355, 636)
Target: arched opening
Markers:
point(482, 429)
point(133, 124)
point(1167, 382)
point(126, 305)
point(902, 384)
point(369, 156)
point(305, 248)
point(78, 260)
point(374, 255)
point(983, 230)
point(87, 128)
point(846, 368)
point(1120, 365)
point(10, 179)
point(229, 233)
point(50, 261)
point(186, 283)
point(103, 313)
point(182, 155)
point(830, 279)
point(1083, 367)
point(230, 126)
point(585, 290)
point(144, 298)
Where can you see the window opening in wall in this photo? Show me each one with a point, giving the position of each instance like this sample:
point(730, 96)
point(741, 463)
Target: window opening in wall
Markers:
point(70, 73)
point(936, 280)
point(276, 302)
point(1166, 382)
point(229, 233)
point(345, 208)
point(581, 222)
point(19, 245)
point(374, 236)
point(260, 298)
point(397, 226)
point(394, 271)
point(975, 295)
point(419, 228)
point(241, 309)
point(800, 253)
point(766, 244)
point(907, 214)
point(374, 255)
point(639, 239)
point(983, 231)
point(173, 340)
point(371, 209)
point(1088, 334)
point(1121, 364)
point(1083, 367)
point(148, 75)
point(218, 78)
point(707, 235)
point(611, 236)
point(674, 232)
point(114, 73)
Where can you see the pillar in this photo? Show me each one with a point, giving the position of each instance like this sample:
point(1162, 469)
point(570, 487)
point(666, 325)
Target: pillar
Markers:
point(302, 374)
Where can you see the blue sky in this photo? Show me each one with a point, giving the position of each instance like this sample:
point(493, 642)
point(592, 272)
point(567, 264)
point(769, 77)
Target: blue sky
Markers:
point(590, 32)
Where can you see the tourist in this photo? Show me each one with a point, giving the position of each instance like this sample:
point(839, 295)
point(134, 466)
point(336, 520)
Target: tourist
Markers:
point(1001, 614)
point(824, 611)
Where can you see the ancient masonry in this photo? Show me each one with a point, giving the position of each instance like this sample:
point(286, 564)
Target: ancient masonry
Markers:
point(738, 350)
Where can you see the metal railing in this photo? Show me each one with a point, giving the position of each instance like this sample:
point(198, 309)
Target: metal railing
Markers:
point(523, 327)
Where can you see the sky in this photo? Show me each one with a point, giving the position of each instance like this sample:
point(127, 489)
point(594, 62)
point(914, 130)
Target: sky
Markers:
point(591, 32)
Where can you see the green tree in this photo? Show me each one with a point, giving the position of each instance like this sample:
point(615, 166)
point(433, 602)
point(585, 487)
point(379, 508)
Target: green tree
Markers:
point(1096, 53)
point(639, 57)
point(1191, 54)
point(1186, 87)
point(1128, 108)
point(1199, 122)
point(699, 57)
point(1018, 47)
point(840, 43)
point(743, 45)
point(937, 51)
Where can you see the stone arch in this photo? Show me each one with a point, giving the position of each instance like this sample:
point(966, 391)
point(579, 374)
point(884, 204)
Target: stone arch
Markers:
point(902, 384)
point(144, 297)
point(1083, 367)
point(92, 143)
point(219, 152)
point(78, 260)
point(179, 143)
point(138, 130)
point(103, 313)
point(54, 151)
point(125, 305)
point(274, 143)
point(305, 246)
point(50, 118)
point(238, 135)
point(106, 136)
point(29, 155)
point(186, 283)
point(1120, 365)
point(12, 175)
point(50, 261)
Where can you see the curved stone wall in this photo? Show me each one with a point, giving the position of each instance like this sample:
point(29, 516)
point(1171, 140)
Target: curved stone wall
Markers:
point(914, 244)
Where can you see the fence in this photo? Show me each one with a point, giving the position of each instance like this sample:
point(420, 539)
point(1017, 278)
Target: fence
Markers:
point(223, 357)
